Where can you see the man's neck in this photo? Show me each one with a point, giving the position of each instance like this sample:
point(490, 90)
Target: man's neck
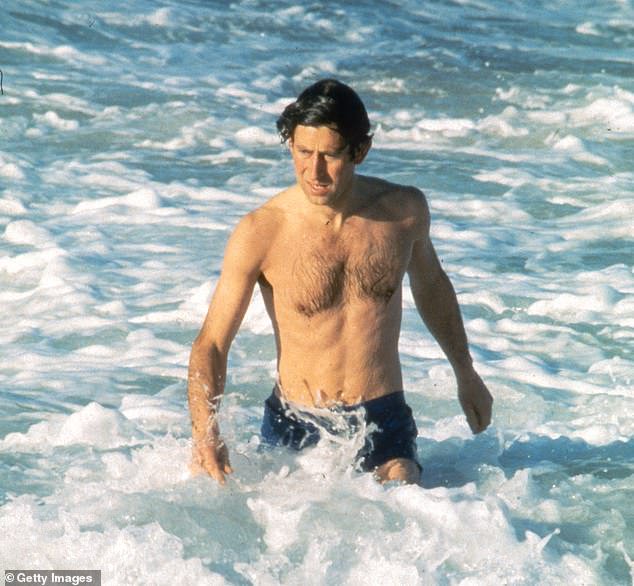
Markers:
point(336, 213)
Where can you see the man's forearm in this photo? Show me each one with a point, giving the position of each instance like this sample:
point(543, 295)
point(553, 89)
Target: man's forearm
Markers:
point(206, 381)
point(438, 306)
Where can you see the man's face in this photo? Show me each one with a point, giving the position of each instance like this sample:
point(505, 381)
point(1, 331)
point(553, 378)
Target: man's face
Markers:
point(323, 166)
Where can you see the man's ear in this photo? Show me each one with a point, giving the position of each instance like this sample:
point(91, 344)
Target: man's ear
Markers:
point(362, 152)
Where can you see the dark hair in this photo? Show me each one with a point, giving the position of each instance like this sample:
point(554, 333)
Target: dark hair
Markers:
point(328, 103)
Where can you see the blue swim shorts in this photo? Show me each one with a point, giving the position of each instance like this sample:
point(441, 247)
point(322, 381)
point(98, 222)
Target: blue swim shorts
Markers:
point(391, 429)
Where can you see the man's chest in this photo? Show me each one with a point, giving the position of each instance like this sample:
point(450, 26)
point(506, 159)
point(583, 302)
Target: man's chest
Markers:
point(317, 271)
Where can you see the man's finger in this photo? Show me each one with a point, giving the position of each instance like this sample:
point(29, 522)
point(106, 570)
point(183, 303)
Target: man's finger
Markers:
point(472, 419)
point(215, 472)
point(218, 476)
point(485, 419)
point(211, 458)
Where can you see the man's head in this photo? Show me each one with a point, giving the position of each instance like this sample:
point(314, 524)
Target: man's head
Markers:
point(332, 104)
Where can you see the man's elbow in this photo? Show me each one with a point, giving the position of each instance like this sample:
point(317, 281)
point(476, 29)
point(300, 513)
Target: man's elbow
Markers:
point(431, 286)
point(442, 280)
point(208, 349)
point(199, 346)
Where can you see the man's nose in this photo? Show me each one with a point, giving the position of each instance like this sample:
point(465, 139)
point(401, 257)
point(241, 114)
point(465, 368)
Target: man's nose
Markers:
point(317, 166)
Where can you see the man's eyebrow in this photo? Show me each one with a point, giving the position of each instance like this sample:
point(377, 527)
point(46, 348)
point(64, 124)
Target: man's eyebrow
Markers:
point(332, 152)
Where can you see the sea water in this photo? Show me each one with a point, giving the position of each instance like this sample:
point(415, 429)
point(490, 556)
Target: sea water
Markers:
point(133, 136)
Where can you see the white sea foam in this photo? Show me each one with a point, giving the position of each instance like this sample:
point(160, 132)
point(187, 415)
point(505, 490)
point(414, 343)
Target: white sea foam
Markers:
point(588, 28)
point(256, 136)
point(26, 232)
point(507, 177)
point(501, 125)
point(12, 207)
point(10, 169)
point(140, 554)
point(497, 211)
point(56, 101)
point(575, 147)
point(161, 17)
point(65, 53)
point(53, 120)
point(93, 425)
point(615, 113)
point(143, 198)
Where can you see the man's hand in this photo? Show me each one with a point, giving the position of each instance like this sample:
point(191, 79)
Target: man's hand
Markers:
point(211, 457)
point(475, 399)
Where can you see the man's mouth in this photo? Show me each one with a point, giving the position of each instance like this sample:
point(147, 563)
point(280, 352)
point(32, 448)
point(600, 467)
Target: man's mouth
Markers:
point(319, 187)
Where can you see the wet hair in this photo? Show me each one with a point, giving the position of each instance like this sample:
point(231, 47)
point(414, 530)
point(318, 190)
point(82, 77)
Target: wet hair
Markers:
point(330, 103)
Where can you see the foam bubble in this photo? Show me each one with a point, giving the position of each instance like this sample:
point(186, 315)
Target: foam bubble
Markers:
point(31, 264)
point(447, 232)
point(161, 17)
point(254, 135)
point(53, 120)
point(508, 177)
point(10, 169)
point(500, 125)
point(575, 307)
point(281, 522)
point(65, 53)
point(93, 425)
point(497, 211)
point(614, 112)
point(588, 28)
point(485, 299)
point(27, 232)
point(145, 554)
point(150, 410)
point(576, 148)
point(96, 178)
point(449, 127)
point(97, 426)
point(610, 219)
point(143, 198)
point(11, 206)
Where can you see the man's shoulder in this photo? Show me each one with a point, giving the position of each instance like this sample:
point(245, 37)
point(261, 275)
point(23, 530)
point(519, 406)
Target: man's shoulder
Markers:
point(258, 229)
point(403, 200)
point(266, 217)
point(250, 242)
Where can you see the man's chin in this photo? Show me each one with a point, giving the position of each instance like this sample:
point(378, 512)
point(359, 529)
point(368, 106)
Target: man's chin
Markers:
point(319, 198)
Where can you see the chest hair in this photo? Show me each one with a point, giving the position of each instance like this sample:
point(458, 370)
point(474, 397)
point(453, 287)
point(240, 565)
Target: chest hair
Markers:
point(323, 278)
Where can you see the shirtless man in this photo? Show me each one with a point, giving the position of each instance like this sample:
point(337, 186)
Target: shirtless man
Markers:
point(329, 255)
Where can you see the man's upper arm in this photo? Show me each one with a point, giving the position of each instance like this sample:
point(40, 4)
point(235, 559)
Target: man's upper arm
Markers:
point(240, 271)
point(424, 267)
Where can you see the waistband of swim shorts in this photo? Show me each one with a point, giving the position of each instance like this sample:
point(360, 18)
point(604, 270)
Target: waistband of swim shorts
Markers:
point(375, 406)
